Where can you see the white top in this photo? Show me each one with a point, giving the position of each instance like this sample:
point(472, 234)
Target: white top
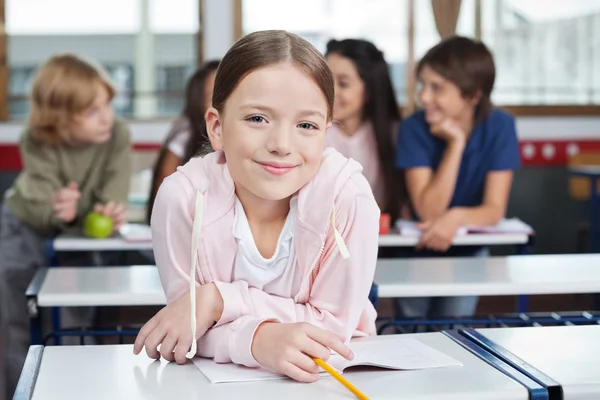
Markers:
point(278, 275)
point(570, 355)
point(179, 142)
point(101, 286)
point(113, 372)
point(488, 276)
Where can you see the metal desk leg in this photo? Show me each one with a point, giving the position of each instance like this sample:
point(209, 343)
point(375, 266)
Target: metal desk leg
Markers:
point(51, 253)
point(523, 300)
point(31, 295)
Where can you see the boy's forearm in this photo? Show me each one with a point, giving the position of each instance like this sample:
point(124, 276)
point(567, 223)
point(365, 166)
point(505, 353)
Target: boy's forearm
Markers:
point(437, 195)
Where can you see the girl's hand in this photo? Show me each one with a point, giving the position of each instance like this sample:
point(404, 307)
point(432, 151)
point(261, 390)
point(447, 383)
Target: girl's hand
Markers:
point(439, 232)
point(116, 211)
point(288, 348)
point(170, 327)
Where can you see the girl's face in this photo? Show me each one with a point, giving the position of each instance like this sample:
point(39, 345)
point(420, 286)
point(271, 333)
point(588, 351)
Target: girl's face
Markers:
point(272, 131)
point(441, 98)
point(94, 124)
point(349, 88)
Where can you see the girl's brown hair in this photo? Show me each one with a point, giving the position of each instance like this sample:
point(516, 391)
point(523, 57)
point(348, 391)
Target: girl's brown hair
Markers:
point(263, 48)
point(63, 87)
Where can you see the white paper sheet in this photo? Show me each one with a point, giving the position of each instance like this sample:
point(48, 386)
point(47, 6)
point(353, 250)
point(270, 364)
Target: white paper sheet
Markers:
point(394, 353)
point(511, 225)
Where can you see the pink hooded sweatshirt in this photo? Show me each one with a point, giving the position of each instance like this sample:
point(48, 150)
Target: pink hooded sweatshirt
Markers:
point(336, 240)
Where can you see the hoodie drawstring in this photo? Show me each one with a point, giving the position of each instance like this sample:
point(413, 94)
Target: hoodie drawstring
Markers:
point(197, 229)
point(339, 240)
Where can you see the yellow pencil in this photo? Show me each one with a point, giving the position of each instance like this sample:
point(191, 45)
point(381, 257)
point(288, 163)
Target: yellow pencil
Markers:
point(340, 379)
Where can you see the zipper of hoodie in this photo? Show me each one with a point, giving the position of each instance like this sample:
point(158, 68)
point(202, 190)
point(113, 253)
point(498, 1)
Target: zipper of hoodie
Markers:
point(338, 238)
point(200, 278)
point(316, 260)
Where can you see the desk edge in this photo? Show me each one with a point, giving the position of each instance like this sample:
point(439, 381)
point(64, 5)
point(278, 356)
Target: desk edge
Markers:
point(29, 374)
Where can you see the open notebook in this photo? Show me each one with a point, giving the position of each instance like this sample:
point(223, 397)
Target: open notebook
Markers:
point(394, 353)
point(511, 225)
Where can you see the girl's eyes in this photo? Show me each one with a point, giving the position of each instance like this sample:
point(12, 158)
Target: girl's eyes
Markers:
point(257, 119)
point(307, 126)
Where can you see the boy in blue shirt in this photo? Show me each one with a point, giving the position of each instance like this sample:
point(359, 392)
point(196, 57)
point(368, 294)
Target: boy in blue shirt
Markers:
point(458, 155)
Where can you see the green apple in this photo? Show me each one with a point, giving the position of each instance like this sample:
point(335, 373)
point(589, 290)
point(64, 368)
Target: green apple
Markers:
point(97, 226)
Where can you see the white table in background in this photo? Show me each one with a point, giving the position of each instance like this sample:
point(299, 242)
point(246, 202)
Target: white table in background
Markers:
point(472, 239)
point(488, 276)
point(137, 285)
point(94, 287)
point(570, 355)
point(113, 372)
point(131, 237)
point(73, 243)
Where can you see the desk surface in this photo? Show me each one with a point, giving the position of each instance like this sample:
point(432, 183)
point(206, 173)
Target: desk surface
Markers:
point(73, 243)
point(472, 239)
point(585, 169)
point(488, 276)
point(101, 286)
point(113, 372)
point(568, 354)
point(492, 276)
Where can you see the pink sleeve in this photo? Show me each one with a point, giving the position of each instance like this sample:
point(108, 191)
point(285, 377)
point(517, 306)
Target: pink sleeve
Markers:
point(231, 342)
point(171, 225)
point(340, 290)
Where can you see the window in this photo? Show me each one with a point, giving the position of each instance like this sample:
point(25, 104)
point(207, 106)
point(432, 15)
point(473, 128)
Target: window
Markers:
point(546, 52)
point(21, 79)
point(171, 82)
point(384, 22)
point(115, 33)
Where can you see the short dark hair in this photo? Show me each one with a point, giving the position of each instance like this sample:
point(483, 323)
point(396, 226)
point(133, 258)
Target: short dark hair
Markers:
point(468, 64)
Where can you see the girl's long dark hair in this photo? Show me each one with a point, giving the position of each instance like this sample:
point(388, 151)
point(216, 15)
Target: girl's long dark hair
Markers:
point(193, 114)
point(380, 109)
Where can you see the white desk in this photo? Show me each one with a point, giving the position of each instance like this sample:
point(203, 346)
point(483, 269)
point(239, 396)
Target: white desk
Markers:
point(472, 239)
point(101, 286)
point(585, 169)
point(139, 235)
point(72, 243)
point(488, 276)
point(491, 276)
point(569, 355)
point(113, 372)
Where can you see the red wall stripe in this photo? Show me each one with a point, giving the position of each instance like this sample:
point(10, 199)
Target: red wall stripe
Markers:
point(534, 153)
